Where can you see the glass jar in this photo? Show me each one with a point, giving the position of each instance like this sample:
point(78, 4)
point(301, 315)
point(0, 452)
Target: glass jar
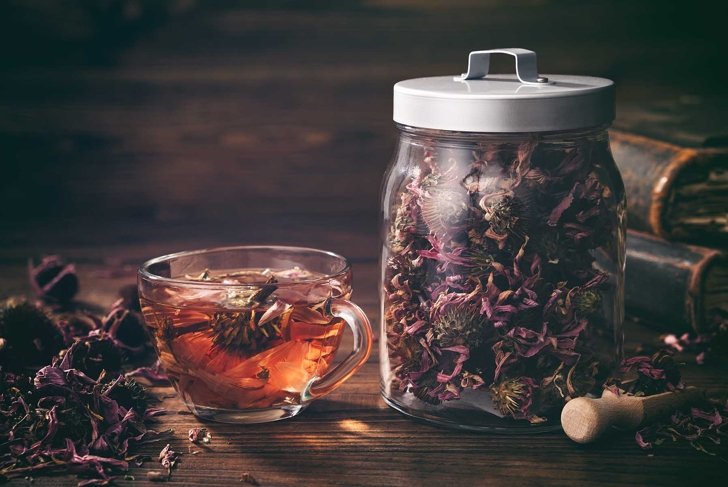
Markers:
point(503, 247)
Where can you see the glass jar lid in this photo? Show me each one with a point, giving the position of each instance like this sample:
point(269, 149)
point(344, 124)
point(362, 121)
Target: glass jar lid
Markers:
point(522, 102)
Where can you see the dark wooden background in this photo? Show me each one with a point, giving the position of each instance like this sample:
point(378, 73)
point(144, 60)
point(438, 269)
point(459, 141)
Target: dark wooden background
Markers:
point(129, 129)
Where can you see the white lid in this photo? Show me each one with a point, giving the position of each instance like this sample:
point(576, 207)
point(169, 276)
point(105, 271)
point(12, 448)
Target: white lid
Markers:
point(521, 102)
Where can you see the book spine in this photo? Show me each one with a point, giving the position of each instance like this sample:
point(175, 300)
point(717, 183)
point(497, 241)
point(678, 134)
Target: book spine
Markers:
point(649, 169)
point(664, 282)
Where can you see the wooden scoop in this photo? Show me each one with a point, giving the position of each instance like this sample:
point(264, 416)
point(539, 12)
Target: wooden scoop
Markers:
point(584, 420)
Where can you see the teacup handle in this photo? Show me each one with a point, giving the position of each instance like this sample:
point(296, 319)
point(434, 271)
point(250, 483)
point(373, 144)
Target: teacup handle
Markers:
point(362, 330)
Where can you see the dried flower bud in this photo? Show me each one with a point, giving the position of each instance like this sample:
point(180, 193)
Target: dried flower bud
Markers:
point(168, 458)
point(128, 393)
point(92, 355)
point(29, 337)
point(53, 280)
point(588, 301)
point(460, 327)
point(423, 394)
point(505, 215)
point(514, 397)
point(76, 324)
point(197, 435)
point(127, 328)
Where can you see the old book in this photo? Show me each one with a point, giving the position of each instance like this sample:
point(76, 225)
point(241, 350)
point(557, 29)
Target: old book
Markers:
point(674, 286)
point(674, 161)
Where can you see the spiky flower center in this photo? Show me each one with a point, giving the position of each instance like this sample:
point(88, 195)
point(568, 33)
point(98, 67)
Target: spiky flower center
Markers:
point(460, 327)
point(240, 331)
point(587, 302)
point(508, 395)
point(479, 259)
point(504, 214)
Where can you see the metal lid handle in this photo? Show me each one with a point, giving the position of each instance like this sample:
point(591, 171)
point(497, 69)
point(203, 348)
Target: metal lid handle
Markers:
point(526, 69)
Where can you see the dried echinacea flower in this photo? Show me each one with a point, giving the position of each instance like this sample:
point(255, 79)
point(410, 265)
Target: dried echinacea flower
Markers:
point(241, 331)
point(126, 327)
point(168, 458)
point(92, 355)
point(514, 397)
point(654, 374)
point(460, 326)
point(504, 214)
point(197, 435)
point(587, 301)
point(29, 337)
point(53, 280)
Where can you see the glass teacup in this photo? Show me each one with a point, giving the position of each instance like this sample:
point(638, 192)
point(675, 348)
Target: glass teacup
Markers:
point(249, 334)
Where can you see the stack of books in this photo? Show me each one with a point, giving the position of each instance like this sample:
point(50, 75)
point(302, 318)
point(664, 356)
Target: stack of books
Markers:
point(673, 158)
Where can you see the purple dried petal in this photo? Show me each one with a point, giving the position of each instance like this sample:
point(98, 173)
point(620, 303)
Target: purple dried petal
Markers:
point(645, 445)
point(700, 358)
point(196, 435)
point(168, 458)
point(153, 373)
point(563, 205)
point(714, 417)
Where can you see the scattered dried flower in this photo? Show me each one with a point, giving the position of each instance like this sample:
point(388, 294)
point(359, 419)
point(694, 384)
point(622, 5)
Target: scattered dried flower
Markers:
point(197, 435)
point(53, 280)
point(29, 337)
point(126, 327)
point(154, 373)
point(703, 429)
point(168, 458)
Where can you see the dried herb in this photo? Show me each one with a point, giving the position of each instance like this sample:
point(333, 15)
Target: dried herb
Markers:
point(28, 337)
point(703, 429)
point(126, 327)
point(62, 420)
point(197, 435)
point(92, 355)
point(704, 346)
point(514, 397)
point(168, 458)
point(491, 276)
point(80, 414)
point(644, 375)
point(153, 373)
point(53, 280)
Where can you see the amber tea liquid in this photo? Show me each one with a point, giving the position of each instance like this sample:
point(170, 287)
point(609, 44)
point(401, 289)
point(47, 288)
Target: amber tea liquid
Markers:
point(258, 347)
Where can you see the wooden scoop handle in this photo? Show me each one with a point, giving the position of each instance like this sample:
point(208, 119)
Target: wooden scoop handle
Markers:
point(584, 420)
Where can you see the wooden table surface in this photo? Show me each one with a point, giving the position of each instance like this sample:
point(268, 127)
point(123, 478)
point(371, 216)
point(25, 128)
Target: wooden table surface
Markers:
point(267, 122)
